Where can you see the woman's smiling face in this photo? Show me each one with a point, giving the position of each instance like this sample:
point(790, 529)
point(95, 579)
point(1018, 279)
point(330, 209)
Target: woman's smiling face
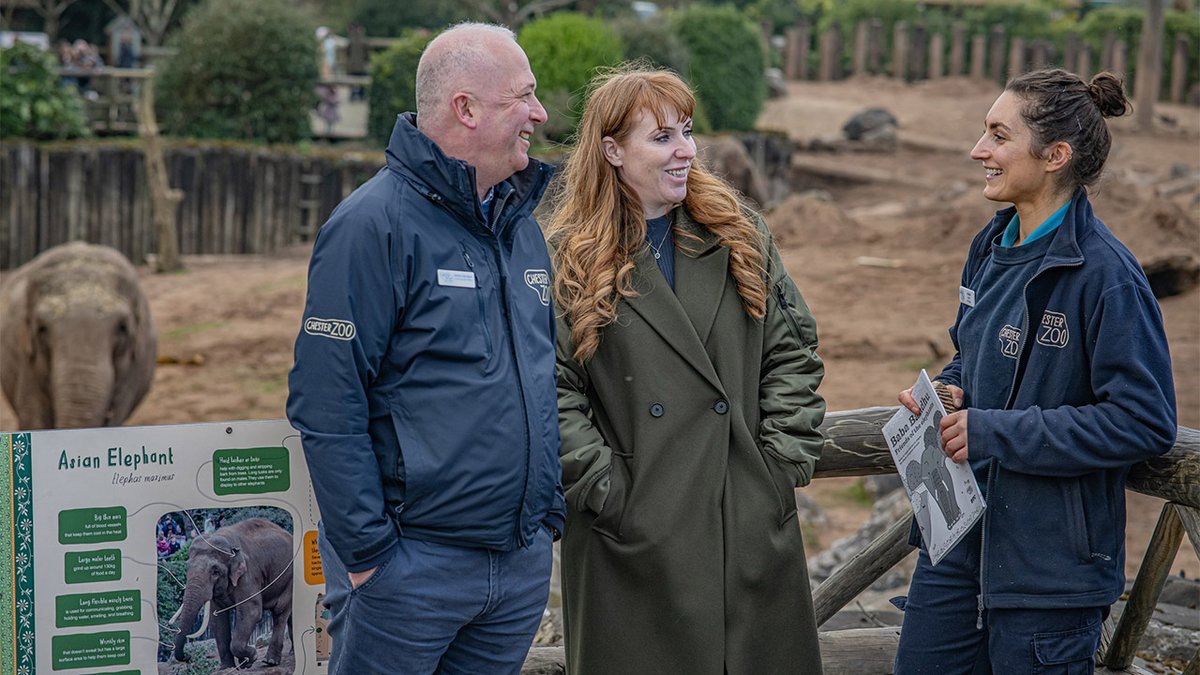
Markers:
point(654, 160)
point(1013, 173)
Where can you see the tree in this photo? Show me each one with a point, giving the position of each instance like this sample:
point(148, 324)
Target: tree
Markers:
point(513, 13)
point(51, 11)
point(153, 17)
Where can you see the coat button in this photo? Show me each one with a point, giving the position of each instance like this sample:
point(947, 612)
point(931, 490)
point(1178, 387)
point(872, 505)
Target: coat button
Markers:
point(657, 410)
point(721, 406)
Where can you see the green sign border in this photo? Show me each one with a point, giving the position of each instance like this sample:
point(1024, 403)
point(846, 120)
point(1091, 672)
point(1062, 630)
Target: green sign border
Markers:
point(16, 552)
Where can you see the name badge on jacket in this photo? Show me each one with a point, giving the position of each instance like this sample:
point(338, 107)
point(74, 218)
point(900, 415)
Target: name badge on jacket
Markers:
point(456, 278)
point(965, 295)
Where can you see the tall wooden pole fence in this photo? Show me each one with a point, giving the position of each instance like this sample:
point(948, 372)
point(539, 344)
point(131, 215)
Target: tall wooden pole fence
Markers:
point(237, 199)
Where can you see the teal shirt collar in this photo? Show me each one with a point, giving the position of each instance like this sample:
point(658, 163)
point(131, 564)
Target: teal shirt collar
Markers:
point(1014, 227)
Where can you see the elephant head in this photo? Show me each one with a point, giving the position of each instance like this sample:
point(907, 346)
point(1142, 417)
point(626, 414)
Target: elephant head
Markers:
point(215, 567)
point(79, 345)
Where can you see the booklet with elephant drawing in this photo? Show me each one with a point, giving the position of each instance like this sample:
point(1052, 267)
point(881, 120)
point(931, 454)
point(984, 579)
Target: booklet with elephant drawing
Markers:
point(944, 494)
point(159, 550)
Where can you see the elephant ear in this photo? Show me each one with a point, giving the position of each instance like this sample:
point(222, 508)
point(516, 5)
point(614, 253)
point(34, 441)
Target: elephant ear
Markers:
point(237, 567)
point(134, 382)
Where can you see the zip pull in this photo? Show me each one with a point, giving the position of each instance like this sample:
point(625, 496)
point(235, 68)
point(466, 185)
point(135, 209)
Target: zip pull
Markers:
point(979, 616)
point(466, 256)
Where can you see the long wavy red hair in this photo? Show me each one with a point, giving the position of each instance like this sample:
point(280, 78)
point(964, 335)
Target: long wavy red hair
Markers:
point(598, 223)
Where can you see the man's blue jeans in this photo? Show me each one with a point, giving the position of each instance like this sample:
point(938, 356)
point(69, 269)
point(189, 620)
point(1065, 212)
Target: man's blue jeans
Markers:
point(435, 608)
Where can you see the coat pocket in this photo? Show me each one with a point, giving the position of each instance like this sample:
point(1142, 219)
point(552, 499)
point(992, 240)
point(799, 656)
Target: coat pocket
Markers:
point(1076, 520)
point(785, 488)
point(608, 522)
point(1070, 652)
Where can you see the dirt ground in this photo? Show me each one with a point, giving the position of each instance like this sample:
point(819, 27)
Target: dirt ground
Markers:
point(878, 261)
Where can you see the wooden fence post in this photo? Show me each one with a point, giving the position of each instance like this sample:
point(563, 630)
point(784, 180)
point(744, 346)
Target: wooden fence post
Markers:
point(1106, 52)
point(1071, 52)
point(978, 55)
point(996, 57)
point(1016, 57)
point(919, 50)
point(900, 51)
point(875, 48)
point(1148, 85)
point(937, 50)
point(1179, 68)
point(862, 33)
point(1083, 62)
point(796, 64)
point(1119, 55)
point(830, 54)
point(958, 48)
point(163, 199)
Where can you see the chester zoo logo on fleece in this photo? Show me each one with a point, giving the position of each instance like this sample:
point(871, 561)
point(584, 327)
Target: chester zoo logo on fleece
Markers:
point(1053, 331)
point(539, 281)
point(330, 328)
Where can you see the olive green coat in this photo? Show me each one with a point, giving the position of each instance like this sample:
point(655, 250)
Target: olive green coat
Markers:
point(683, 439)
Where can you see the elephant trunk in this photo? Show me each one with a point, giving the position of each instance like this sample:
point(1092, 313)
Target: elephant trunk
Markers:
point(194, 597)
point(82, 392)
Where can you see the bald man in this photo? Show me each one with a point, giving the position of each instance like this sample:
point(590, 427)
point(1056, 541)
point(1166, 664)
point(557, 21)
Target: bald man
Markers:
point(424, 385)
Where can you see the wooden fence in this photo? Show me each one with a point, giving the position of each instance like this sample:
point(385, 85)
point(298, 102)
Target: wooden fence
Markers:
point(854, 446)
point(237, 199)
point(916, 53)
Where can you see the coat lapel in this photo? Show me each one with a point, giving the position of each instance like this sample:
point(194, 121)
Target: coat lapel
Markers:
point(701, 269)
point(682, 318)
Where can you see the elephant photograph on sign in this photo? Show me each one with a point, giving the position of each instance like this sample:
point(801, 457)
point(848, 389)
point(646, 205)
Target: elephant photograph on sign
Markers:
point(225, 590)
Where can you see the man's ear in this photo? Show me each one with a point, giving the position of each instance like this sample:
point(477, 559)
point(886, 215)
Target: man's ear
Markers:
point(1058, 156)
point(465, 110)
point(612, 151)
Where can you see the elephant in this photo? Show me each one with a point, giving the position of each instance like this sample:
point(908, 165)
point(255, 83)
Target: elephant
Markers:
point(238, 571)
point(77, 343)
point(728, 158)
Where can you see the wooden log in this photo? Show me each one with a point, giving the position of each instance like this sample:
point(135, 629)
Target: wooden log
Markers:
point(958, 49)
point(875, 47)
point(1119, 61)
point(859, 572)
point(1148, 84)
point(1179, 68)
point(862, 37)
point(1156, 565)
point(854, 446)
point(900, 50)
point(857, 651)
point(796, 64)
point(918, 46)
point(1071, 52)
point(937, 49)
point(996, 55)
point(1083, 62)
point(1016, 57)
point(830, 54)
point(978, 55)
point(1106, 50)
point(1191, 525)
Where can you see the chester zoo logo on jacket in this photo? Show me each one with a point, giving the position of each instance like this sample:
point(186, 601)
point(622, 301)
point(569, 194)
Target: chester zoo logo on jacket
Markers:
point(1053, 331)
point(539, 281)
point(330, 328)
point(1010, 341)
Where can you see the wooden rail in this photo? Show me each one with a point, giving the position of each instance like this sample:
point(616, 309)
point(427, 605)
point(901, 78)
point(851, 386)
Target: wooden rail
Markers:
point(854, 446)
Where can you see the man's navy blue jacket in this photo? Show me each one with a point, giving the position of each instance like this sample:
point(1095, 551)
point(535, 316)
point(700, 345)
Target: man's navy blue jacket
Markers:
point(424, 386)
point(1092, 396)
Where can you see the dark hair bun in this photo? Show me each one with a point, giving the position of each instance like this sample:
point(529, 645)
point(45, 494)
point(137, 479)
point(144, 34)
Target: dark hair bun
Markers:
point(1108, 93)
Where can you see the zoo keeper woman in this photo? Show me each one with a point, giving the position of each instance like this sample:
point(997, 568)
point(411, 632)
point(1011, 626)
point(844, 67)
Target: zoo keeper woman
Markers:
point(687, 377)
point(1063, 372)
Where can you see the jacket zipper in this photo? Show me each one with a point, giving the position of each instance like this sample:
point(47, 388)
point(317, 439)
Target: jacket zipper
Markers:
point(479, 290)
point(787, 314)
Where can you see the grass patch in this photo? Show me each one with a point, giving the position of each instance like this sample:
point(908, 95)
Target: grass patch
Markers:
point(187, 329)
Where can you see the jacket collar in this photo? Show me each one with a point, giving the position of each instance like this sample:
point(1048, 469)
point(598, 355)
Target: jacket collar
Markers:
point(449, 181)
point(1065, 245)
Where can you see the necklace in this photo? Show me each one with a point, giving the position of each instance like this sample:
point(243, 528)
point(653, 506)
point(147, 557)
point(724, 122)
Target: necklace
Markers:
point(658, 249)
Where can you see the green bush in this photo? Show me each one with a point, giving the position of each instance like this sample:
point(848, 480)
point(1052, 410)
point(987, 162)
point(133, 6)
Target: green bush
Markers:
point(728, 64)
point(1126, 22)
point(33, 104)
point(394, 84)
point(564, 51)
point(243, 70)
point(654, 41)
